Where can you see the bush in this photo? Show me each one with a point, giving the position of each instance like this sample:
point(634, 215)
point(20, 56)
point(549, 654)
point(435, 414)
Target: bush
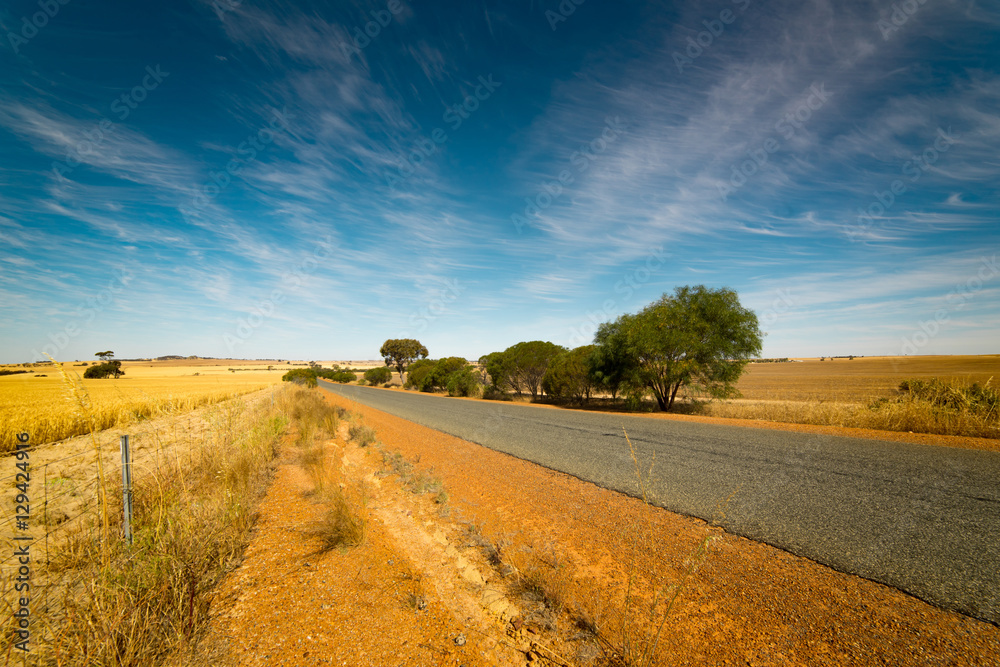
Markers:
point(305, 377)
point(463, 382)
point(105, 370)
point(491, 393)
point(417, 372)
point(361, 434)
point(380, 375)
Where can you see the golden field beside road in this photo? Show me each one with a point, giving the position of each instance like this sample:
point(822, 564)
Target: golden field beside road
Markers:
point(42, 406)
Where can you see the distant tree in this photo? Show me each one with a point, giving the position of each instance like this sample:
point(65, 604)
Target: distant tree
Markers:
point(568, 376)
point(695, 336)
point(109, 367)
point(400, 352)
point(528, 362)
point(305, 377)
point(379, 375)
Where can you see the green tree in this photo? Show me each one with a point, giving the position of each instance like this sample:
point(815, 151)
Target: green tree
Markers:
point(696, 336)
point(418, 371)
point(400, 352)
point(108, 367)
point(528, 362)
point(379, 375)
point(463, 382)
point(568, 376)
point(609, 362)
point(496, 366)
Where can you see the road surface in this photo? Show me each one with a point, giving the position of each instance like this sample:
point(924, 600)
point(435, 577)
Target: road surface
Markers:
point(923, 519)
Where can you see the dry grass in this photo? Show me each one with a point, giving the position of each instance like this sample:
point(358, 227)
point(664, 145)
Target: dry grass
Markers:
point(111, 603)
point(343, 523)
point(38, 405)
point(950, 410)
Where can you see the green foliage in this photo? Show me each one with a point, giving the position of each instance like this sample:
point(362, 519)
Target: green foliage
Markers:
point(697, 336)
point(568, 376)
point(463, 382)
point(609, 366)
point(400, 352)
point(428, 375)
point(527, 363)
point(379, 375)
point(335, 374)
point(104, 370)
point(417, 372)
point(497, 367)
point(301, 376)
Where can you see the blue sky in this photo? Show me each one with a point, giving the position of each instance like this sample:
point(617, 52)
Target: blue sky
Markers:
point(263, 179)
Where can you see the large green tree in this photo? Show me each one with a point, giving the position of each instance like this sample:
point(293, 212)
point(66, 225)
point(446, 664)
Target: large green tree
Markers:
point(568, 376)
point(528, 362)
point(698, 336)
point(400, 352)
point(497, 368)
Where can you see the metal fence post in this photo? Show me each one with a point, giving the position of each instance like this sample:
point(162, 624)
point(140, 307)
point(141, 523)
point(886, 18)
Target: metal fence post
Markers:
point(126, 489)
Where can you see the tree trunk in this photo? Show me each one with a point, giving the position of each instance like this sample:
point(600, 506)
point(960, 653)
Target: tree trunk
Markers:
point(673, 395)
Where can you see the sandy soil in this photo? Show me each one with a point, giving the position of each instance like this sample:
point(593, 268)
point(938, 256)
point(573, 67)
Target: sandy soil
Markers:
point(430, 572)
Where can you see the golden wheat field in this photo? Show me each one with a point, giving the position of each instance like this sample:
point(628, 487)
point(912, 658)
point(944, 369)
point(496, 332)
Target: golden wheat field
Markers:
point(43, 407)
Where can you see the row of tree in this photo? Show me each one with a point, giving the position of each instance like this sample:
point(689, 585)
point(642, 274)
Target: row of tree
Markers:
point(696, 336)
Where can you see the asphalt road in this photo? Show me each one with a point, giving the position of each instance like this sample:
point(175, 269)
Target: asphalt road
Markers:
point(923, 519)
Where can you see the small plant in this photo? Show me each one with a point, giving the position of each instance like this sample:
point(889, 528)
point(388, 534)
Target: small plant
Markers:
point(361, 434)
point(343, 524)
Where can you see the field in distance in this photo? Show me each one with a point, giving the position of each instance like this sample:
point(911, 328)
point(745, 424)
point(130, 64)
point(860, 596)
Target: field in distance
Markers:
point(860, 379)
point(38, 401)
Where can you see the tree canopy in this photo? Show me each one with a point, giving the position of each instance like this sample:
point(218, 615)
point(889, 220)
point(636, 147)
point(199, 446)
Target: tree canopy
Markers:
point(696, 336)
point(568, 376)
point(527, 363)
point(400, 352)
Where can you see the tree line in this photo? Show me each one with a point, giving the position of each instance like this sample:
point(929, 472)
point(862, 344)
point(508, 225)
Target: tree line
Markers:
point(696, 336)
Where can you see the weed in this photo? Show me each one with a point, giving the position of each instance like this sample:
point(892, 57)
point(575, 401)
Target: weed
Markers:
point(361, 434)
point(343, 524)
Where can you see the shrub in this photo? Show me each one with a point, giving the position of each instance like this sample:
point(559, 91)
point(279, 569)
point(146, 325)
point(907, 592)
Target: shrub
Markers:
point(417, 372)
point(380, 375)
point(305, 377)
point(463, 382)
point(107, 369)
point(361, 434)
